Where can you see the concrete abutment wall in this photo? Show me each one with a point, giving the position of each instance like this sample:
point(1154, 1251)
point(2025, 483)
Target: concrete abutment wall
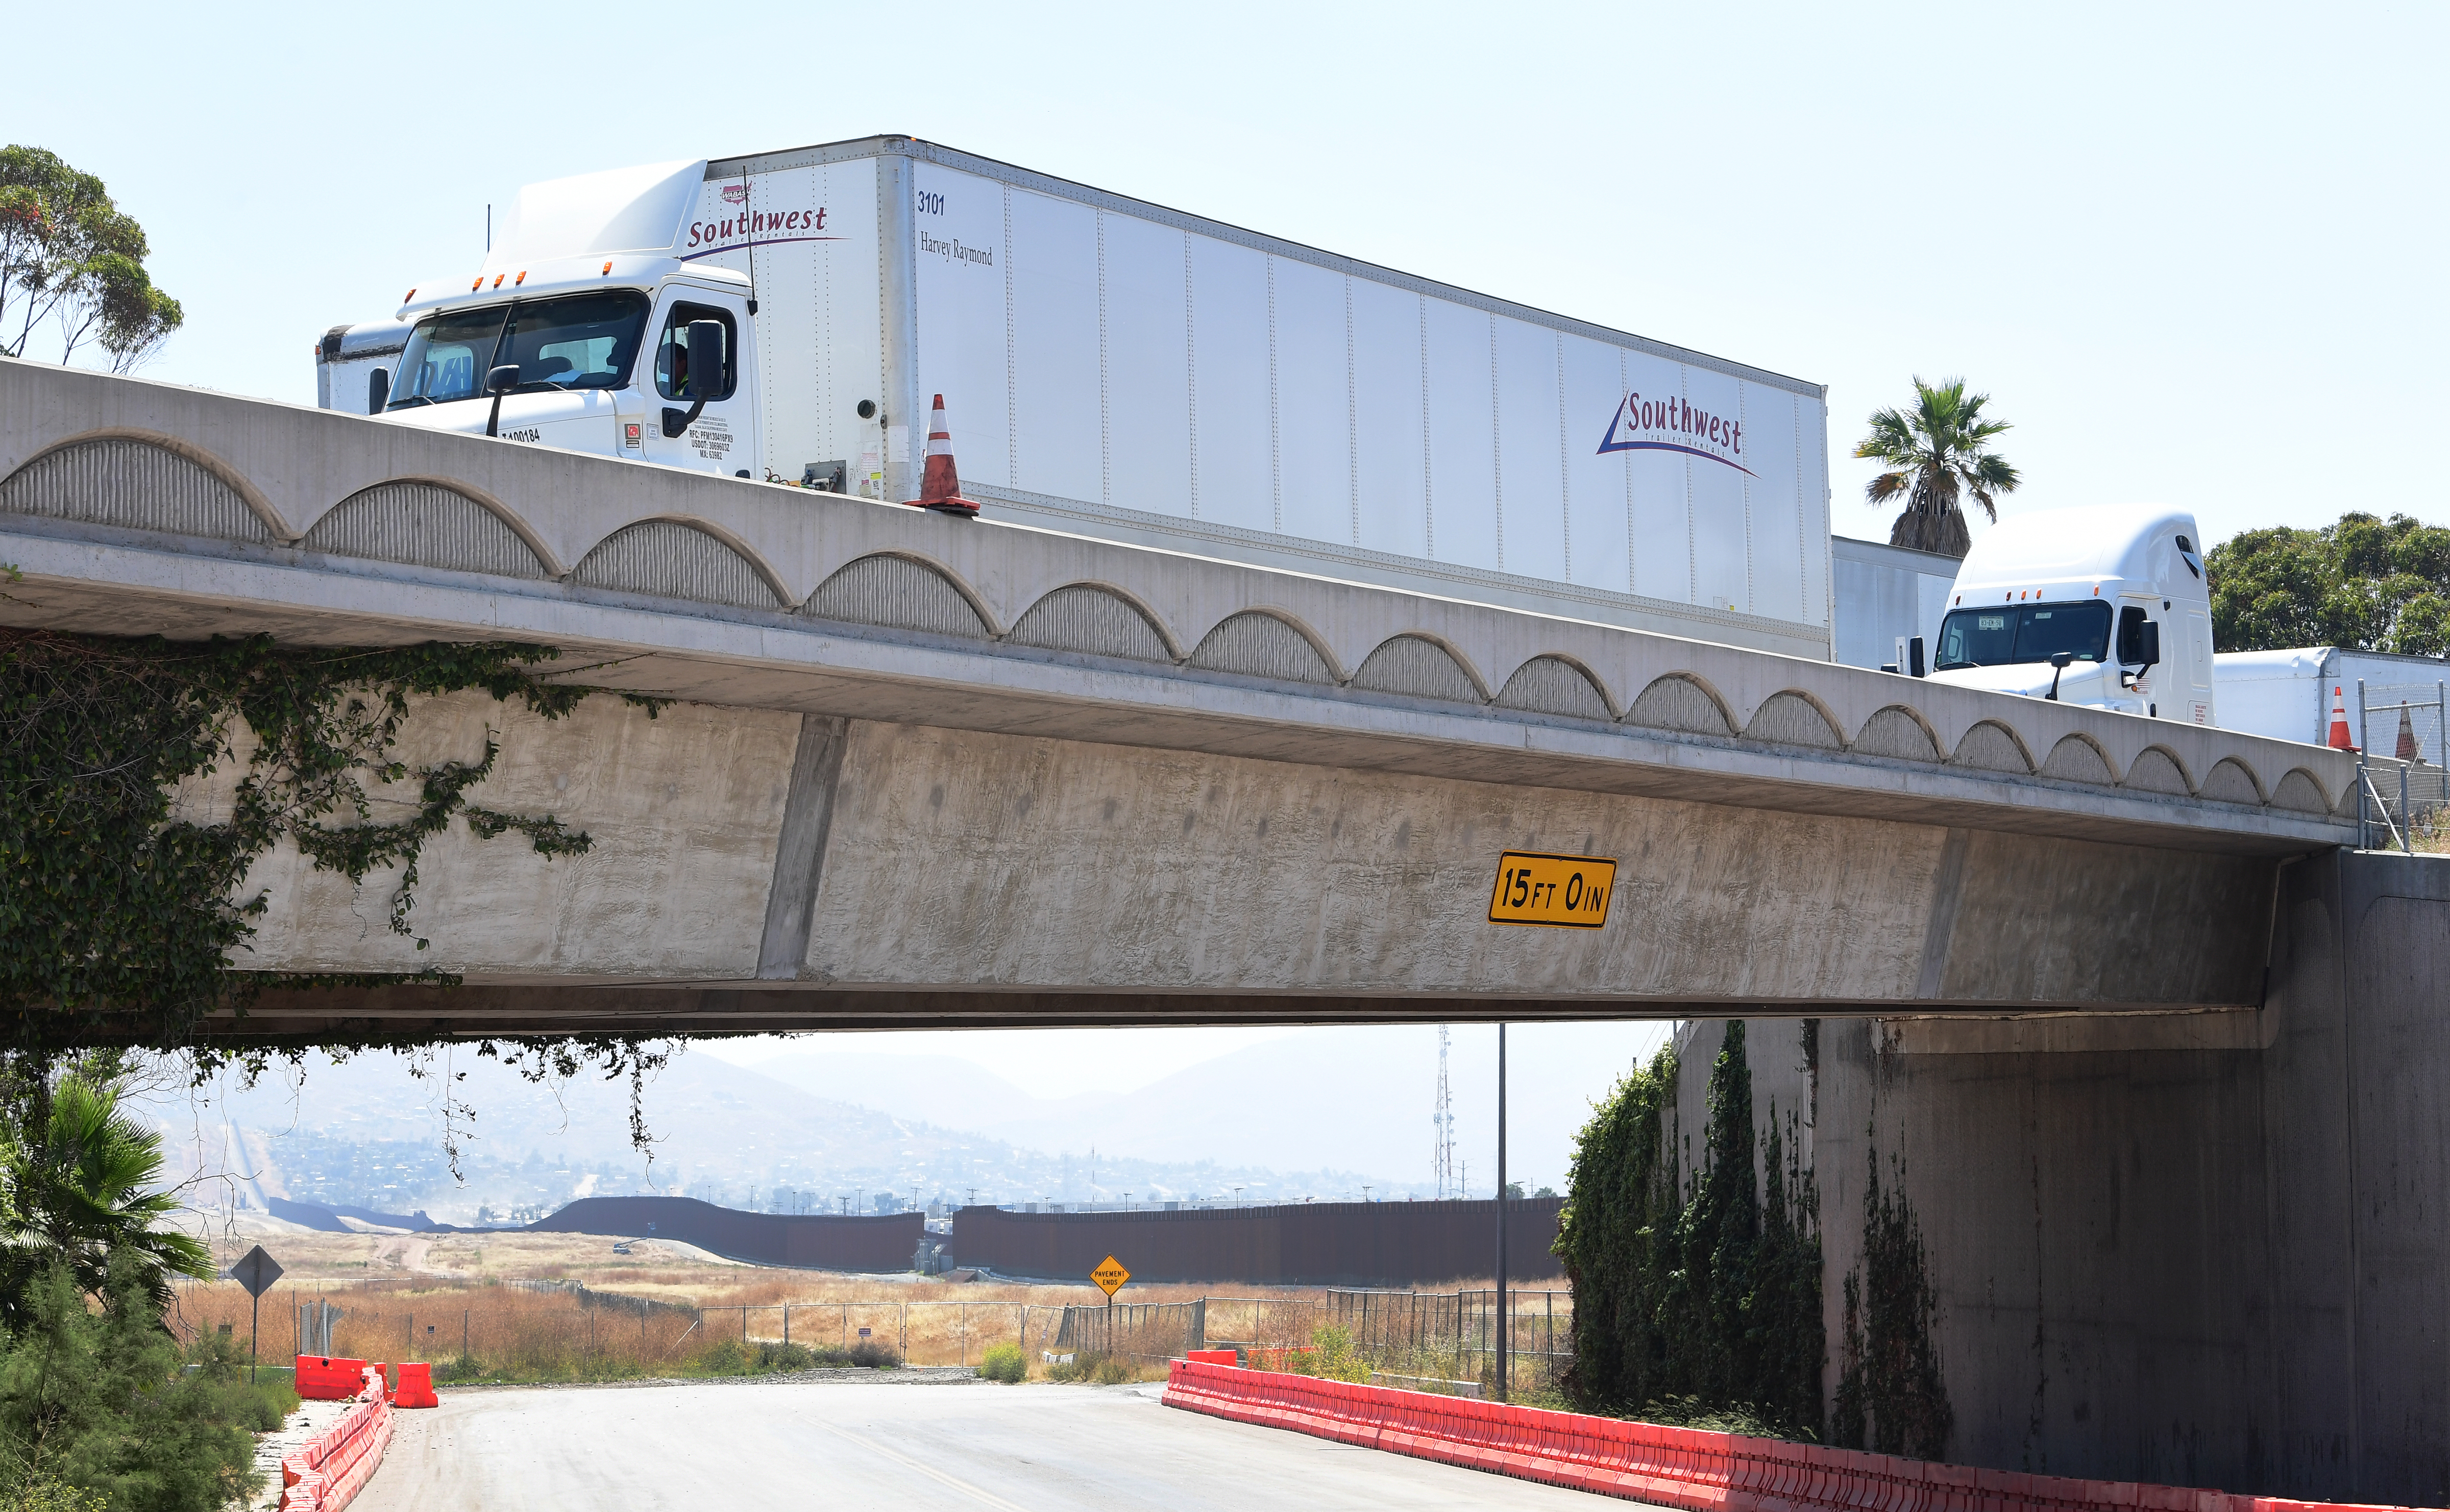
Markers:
point(2200, 1249)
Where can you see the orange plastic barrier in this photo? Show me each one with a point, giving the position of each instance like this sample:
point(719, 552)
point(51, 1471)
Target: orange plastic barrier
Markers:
point(415, 1389)
point(1213, 1356)
point(328, 1470)
point(1686, 1468)
point(329, 1379)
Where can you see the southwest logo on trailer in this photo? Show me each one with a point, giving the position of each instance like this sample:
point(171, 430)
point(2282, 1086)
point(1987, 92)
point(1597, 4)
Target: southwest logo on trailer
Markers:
point(763, 226)
point(1675, 425)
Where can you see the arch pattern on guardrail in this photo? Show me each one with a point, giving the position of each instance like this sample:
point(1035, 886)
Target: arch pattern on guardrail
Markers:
point(899, 592)
point(2158, 769)
point(1256, 643)
point(1683, 705)
point(140, 480)
point(679, 559)
point(1898, 733)
point(1794, 719)
point(1992, 746)
point(1419, 667)
point(428, 524)
point(1095, 620)
point(1549, 683)
point(2080, 758)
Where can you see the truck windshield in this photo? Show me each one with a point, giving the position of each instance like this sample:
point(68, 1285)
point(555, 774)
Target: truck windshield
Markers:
point(2022, 633)
point(581, 342)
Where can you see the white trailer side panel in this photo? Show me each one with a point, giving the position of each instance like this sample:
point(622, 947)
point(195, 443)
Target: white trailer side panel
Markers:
point(1599, 498)
point(1390, 404)
point(1148, 369)
point(1120, 369)
point(1313, 411)
point(819, 333)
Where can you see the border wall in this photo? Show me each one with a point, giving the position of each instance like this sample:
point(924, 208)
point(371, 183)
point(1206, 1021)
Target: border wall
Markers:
point(1313, 1244)
point(812, 1241)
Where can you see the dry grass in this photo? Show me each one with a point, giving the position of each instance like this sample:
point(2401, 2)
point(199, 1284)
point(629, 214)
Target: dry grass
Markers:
point(664, 1308)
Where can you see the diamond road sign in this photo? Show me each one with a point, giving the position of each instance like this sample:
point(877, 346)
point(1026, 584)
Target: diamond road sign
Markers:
point(256, 1272)
point(1109, 1275)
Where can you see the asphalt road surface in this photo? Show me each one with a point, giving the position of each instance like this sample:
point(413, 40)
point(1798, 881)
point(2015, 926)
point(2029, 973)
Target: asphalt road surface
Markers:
point(960, 1447)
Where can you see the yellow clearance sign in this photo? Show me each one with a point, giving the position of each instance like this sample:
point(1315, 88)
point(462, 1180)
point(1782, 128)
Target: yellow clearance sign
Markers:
point(1109, 1275)
point(1565, 892)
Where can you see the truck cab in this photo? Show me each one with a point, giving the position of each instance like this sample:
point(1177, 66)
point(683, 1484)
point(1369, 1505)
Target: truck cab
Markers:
point(2104, 606)
point(586, 331)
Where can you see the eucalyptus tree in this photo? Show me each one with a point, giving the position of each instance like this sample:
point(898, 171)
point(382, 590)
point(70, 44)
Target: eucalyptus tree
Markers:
point(71, 259)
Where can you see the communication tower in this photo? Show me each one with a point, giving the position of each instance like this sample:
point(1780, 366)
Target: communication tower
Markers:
point(1444, 1121)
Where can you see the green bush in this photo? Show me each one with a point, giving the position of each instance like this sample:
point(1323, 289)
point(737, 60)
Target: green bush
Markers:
point(1091, 1367)
point(1697, 1292)
point(771, 1356)
point(1331, 1357)
point(95, 1408)
point(725, 1356)
point(1004, 1363)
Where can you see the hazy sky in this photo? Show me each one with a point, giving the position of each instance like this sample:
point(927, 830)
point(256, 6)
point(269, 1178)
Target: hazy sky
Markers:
point(2192, 251)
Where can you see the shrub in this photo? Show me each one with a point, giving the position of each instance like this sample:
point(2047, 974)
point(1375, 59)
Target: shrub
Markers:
point(94, 1408)
point(771, 1356)
point(1091, 1367)
point(874, 1353)
point(1004, 1363)
point(725, 1356)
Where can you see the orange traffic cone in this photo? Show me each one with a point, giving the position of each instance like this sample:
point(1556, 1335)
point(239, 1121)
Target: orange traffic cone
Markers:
point(2341, 739)
point(940, 486)
point(2406, 750)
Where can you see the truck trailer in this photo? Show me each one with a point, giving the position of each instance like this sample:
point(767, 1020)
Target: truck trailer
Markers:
point(1114, 368)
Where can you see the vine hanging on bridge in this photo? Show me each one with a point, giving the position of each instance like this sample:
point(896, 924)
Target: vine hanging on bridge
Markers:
point(121, 918)
point(1694, 1301)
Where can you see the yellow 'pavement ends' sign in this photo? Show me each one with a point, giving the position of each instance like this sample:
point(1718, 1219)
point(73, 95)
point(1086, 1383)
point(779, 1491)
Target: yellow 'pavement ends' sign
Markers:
point(1109, 1275)
point(1569, 892)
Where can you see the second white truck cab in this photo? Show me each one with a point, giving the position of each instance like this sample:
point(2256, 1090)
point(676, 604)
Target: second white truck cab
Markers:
point(2106, 605)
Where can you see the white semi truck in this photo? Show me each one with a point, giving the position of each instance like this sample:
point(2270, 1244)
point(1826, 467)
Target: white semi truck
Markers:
point(1118, 369)
point(2106, 605)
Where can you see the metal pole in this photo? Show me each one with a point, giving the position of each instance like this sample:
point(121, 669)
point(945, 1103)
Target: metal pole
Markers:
point(2364, 781)
point(2406, 817)
point(254, 1316)
point(1501, 1341)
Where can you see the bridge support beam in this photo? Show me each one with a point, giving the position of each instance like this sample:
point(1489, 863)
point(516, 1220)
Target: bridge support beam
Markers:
point(761, 870)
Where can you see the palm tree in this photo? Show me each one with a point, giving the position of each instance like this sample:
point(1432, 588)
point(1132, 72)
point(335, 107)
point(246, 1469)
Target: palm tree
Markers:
point(81, 1182)
point(1936, 453)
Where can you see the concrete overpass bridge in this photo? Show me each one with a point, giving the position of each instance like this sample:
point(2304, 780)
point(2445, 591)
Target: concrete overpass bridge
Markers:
point(2155, 1058)
point(925, 771)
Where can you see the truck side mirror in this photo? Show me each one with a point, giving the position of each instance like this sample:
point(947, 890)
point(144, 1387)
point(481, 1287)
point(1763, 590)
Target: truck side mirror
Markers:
point(2147, 644)
point(2060, 661)
point(377, 390)
point(1913, 656)
point(706, 358)
point(702, 341)
point(499, 381)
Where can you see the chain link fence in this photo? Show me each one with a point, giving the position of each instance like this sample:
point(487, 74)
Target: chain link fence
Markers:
point(2404, 784)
